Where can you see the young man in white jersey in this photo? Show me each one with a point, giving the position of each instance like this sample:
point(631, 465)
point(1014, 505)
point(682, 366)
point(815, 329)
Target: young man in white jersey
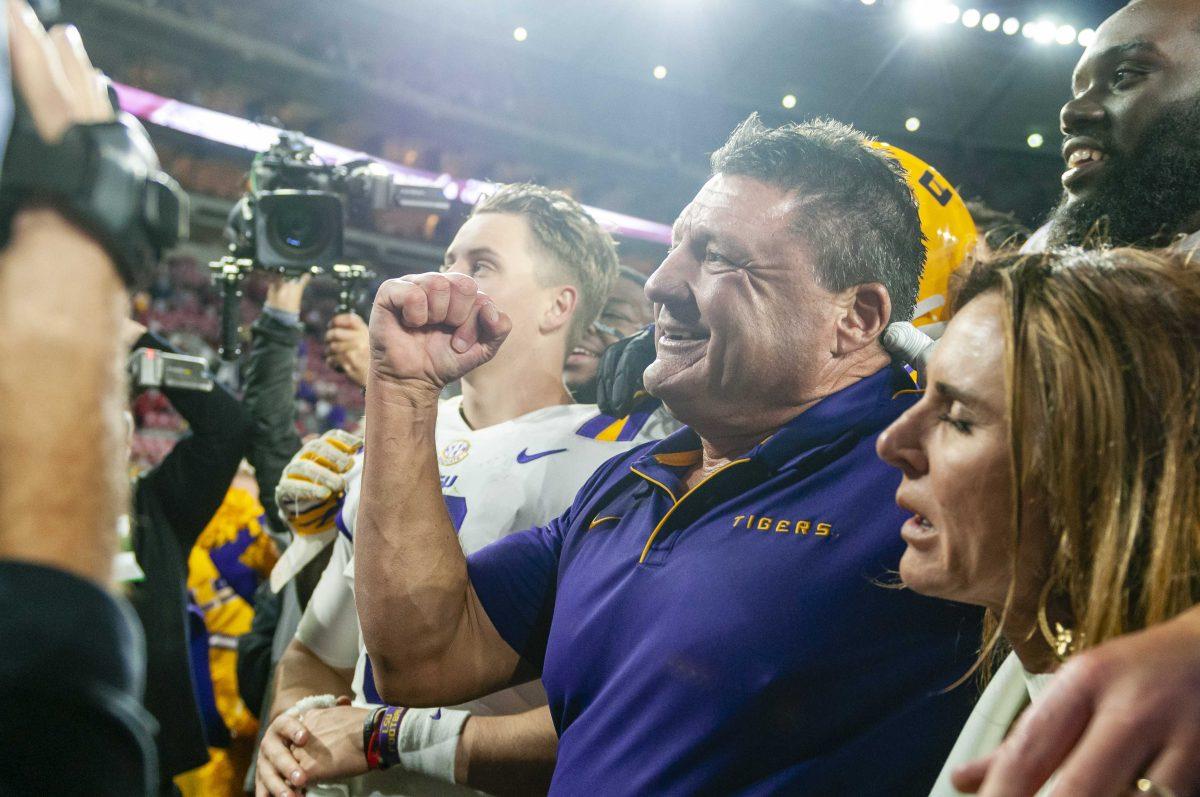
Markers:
point(512, 451)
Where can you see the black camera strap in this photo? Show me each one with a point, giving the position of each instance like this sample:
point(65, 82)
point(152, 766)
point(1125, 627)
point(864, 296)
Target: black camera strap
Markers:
point(104, 177)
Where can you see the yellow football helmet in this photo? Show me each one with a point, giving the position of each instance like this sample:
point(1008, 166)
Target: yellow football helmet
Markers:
point(949, 236)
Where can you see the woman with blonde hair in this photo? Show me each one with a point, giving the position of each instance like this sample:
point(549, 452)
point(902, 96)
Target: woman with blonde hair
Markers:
point(1053, 467)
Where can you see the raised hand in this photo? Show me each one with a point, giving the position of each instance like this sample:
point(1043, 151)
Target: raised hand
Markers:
point(427, 330)
point(348, 347)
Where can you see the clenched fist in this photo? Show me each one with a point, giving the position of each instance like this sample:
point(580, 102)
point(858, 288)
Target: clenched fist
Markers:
point(427, 330)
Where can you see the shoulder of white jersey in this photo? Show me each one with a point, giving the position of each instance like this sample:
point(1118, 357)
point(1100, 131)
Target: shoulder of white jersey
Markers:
point(606, 428)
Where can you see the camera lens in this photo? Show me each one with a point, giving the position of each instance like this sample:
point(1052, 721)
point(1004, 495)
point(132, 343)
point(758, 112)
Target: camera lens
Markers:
point(300, 229)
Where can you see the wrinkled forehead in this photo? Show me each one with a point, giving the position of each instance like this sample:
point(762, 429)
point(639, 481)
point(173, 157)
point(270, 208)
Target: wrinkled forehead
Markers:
point(1170, 27)
point(736, 207)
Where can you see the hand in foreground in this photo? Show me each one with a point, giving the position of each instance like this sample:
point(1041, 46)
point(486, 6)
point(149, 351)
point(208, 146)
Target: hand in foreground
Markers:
point(348, 347)
point(1125, 710)
point(321, 745)
point(54, 75)
point(619, 377)
point(427, 330)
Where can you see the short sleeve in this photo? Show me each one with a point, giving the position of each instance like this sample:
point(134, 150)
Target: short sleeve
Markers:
point(515, 579)
point(329, 626)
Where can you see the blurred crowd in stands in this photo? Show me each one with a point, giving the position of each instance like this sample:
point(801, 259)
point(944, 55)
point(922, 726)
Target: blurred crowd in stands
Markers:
point(184, 307)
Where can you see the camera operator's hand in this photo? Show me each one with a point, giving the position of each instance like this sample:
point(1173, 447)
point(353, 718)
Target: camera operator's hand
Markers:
point(427, 330)
point(54, 75)
point(348, 347)
point(62, 306)
point(286, 293)
point(619, 377)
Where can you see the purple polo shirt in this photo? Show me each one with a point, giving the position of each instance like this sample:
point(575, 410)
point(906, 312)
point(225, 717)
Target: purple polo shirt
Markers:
point(739, 638)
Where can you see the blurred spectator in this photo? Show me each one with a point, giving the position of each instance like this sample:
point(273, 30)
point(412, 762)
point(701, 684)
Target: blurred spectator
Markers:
point(997, 230)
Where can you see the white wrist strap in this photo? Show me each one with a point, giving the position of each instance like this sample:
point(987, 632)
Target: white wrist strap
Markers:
point(311, 702)
point(428, 741)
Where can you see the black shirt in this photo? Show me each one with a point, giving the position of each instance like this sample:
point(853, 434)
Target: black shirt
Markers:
point(70, 684)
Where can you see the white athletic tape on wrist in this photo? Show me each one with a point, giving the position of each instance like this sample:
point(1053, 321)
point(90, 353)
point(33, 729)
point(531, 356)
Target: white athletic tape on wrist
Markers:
point(311, 702)
point(909, 344)
point(428, 741)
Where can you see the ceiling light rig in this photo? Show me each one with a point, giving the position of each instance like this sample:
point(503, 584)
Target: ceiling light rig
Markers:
point(927, 15)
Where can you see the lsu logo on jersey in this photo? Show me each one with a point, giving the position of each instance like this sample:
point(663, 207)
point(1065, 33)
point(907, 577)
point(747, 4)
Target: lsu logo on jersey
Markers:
point(454, 452)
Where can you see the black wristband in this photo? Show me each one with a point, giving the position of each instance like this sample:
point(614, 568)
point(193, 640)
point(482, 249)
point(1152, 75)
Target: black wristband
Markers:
point(369, 724)
point(104, 177)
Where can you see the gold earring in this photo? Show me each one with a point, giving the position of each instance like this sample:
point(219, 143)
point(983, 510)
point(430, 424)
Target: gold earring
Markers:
point(1062, 640)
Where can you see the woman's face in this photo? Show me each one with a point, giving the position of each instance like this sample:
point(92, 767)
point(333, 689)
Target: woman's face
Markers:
point(953, 449)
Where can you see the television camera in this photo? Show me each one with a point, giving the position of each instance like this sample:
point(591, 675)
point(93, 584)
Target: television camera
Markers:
point(292, 221)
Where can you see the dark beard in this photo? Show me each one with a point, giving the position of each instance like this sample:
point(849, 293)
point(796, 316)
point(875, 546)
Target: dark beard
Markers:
point(1142, 198)
point(585, 393)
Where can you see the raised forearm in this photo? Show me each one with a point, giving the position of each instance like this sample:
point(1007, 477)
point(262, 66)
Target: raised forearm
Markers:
point(508, 755)
point(62, 392)
point(410, 573)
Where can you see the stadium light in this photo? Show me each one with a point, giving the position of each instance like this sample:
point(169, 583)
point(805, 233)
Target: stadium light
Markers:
point(1086, 37)
point(660, 72)
point(788, 101)
point(971, 18)
point(867, 2)
point(912, 124)
point(1035, 140)
point(991, 22)
point(924, 14)
point(1011, 26)
point(1065, 35)
point(1044, 31)
point(520, 34)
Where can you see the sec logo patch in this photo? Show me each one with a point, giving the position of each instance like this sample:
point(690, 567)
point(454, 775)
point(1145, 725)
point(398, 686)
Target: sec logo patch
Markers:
point(454, 452)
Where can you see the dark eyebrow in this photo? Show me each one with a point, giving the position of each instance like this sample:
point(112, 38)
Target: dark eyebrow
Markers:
point(958, 394)
point(1130, 48)
point(1138, 47)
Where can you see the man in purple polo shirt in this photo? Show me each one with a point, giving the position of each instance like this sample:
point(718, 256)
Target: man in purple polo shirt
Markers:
point(711, 614)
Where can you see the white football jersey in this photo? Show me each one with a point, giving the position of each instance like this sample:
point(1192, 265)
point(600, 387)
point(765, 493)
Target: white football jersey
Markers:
point(505, 478)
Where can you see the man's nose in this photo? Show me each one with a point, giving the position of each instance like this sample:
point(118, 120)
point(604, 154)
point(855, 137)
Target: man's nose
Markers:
point(668, 284)
point(1081, 114)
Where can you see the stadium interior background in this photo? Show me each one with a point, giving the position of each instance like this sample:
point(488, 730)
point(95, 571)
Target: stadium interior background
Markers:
point(617, 102)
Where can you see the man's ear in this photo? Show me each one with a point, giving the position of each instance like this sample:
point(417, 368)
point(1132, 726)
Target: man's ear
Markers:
point(866, 311)
point(561, 310)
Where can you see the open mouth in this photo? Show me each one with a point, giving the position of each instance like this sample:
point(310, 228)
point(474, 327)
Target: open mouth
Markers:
point(682, 334)
point(918, 532)
point(1083, 158)
point(580, 351)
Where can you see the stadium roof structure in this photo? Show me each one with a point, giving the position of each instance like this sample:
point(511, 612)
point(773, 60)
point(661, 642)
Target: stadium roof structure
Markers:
point(643, 89)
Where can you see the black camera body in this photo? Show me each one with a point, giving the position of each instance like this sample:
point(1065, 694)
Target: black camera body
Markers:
point(293, 218)
point(296, 228)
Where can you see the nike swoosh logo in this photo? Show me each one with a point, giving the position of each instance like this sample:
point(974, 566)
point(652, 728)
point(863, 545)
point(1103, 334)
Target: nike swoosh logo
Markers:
point(525, 456)
point(437, 715)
